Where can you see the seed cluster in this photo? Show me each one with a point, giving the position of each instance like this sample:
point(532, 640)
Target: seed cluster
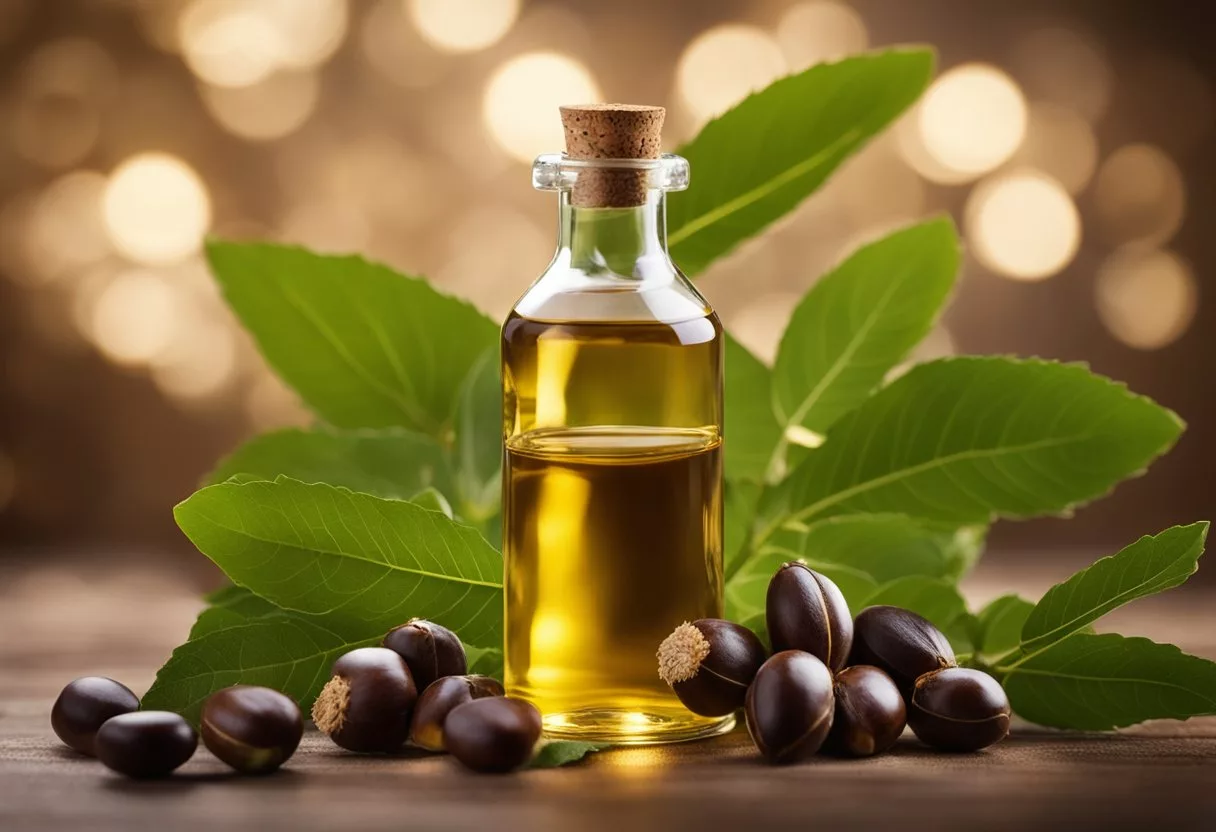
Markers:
point(252, 729)
point(834, 684)
point(414, 688)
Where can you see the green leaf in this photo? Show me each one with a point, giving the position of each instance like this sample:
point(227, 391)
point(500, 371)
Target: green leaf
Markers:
point(859, 321)
point(936, 599)
point(758, 624)
point(891, 546)
point(859, 551)
point(286, 651)
point(747, 591)
point(479, 440)
point(434, 500)
point(392, 463)
point(554, 753)
point(1099, 682)
point(325, 550)
point(999, 625)
point(739, 508)
point(230, 607)
point(751, 428)
point(1148, 566)
point(178, 688)
point(963, 440)
point(760, 159)
point(364, 346)
point(486, 661)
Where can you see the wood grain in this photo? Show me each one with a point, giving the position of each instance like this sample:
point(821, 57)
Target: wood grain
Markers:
point(59, 622)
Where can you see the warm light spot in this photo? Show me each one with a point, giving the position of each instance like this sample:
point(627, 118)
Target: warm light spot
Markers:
point(229, 43)
point(549, 632)
point(158, 20)
point(725, 63)
point(878, 189)
point(463, 25)
point(1023, 225)
point(1147, 299)
point(812, 33)
point(133, 318)
point(911, 147)
point(484, 273)
point(309, 31)
point(156, 209)
point(972, 118)
point(64, 229)
point(554, 363)
point(395, 48)
point(271, 404)
point(522, 97)
point(1140, 195)
point(1064, 67)
point(56, 116)
point(270, 109)
point(759, 325)
point(1060, 143)
point(199, 363)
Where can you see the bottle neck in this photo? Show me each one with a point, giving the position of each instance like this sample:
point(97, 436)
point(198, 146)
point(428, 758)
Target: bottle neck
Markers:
point(627, 242)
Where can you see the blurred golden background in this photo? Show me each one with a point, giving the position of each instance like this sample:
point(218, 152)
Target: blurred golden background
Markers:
point(1072, 140)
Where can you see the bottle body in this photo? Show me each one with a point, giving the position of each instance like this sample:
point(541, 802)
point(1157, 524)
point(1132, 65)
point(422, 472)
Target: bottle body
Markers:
point(612, 493)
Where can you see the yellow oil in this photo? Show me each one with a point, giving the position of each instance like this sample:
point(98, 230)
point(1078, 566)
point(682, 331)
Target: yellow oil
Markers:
point(612, 521)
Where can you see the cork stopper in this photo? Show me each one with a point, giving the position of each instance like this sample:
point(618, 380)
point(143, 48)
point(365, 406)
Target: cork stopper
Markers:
point(612, 131)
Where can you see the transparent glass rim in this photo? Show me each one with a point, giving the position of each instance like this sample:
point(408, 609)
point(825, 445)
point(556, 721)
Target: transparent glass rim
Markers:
point(558, 172)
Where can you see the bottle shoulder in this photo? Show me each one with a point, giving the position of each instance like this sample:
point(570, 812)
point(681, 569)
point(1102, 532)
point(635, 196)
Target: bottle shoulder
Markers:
point(562, 294)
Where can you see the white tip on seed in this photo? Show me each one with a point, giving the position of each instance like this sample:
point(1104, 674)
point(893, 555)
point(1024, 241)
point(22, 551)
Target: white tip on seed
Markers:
point(681, 654)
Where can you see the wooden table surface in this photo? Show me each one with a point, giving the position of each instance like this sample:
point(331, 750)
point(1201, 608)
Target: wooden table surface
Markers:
point(58, 622)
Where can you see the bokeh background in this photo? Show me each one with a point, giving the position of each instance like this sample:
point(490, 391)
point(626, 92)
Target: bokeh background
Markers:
point(1074, 142)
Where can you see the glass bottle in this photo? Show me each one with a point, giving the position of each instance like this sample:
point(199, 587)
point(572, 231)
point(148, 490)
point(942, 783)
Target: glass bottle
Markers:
point(612, 491)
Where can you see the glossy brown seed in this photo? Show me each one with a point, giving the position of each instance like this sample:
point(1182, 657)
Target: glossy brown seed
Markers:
point(439, 700)
point(959, 709)
point(870, 713)
point(253, 729)
point(146, 744)
point(368, 704)
point(494, 734)
point(709, 664)
point(84, 706)
point(900, 643)
point(431, 651)
point(790, 706)
point(805, 611)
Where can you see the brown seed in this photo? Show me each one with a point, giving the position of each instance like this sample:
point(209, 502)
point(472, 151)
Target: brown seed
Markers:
point(84, 706)
point(146, 744)
point(870, 713)
point(710, 663)
point(790, 706)
point(901, 643)
point(431, 651)
point(959, 709)
point(494, 734)
point(253, 729)
point(440, 699)
point(368, 704)
point(806, 611)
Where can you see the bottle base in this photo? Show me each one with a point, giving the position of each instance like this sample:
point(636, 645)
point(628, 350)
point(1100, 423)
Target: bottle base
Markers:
point(629, 727)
